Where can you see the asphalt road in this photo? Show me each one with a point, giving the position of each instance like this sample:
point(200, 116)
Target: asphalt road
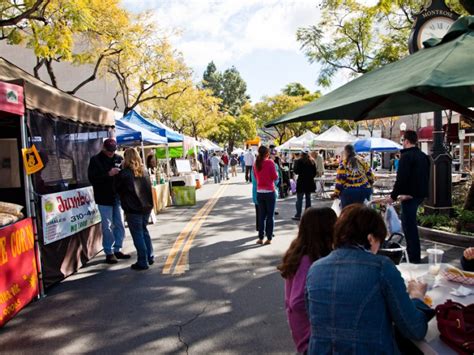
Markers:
point(220, 293)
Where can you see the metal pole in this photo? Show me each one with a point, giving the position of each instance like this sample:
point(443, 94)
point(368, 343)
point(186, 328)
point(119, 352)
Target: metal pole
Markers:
point(143, 153)
point(461, 155)
point(440, 199)
point(168, 167)
point(30, 208)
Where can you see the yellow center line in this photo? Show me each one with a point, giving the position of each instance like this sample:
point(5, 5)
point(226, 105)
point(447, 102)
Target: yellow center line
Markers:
point(181, 265)
point(184, 233)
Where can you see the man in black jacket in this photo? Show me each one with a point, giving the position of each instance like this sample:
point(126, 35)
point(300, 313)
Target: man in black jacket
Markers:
point(411, 188)
point(102, 172)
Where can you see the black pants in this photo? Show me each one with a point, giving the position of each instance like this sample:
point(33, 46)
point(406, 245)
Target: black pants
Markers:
point(257, 217)
point(248, 173)
point(410, 228)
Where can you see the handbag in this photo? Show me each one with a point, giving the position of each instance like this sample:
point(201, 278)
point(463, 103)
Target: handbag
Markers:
point(456, 326)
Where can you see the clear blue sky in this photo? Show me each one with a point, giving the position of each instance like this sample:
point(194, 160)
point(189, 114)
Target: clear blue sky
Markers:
point(258, 37)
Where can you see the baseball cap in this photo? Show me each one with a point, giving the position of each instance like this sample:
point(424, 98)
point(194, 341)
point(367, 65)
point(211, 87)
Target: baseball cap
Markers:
point(110, 145)
point(305, 151)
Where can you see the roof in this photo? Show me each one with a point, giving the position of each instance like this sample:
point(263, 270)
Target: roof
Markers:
point(47, 99)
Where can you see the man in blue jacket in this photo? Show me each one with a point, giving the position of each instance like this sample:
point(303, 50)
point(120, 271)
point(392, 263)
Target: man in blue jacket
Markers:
point(411, 188)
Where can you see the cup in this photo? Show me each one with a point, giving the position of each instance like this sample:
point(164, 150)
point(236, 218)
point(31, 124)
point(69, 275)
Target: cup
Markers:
point(435, 256)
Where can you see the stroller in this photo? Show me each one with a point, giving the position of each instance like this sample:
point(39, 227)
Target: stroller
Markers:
point(393, 247)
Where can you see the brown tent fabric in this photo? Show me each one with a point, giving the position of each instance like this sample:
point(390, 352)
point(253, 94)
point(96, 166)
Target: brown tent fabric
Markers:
point(45, 98)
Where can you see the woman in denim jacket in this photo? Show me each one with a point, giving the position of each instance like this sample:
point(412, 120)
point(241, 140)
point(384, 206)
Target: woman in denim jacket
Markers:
point(354, 297)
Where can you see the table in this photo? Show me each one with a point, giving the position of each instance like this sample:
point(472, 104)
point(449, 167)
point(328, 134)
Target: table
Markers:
point(432, 344)
point(161, 197)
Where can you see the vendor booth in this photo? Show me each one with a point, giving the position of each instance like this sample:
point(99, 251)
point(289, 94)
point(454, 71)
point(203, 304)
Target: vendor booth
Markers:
point(57, 134)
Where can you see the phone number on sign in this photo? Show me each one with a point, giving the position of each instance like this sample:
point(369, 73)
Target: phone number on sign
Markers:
point(81, 216)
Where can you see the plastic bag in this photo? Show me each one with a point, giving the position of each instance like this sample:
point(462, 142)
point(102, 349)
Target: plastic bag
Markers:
point(394, 225)
point(336, 206)
point(293, 186)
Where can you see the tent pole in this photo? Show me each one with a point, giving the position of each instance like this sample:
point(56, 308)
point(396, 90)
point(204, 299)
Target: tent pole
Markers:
point(168, 167)
point(143, 153)
point(30, 209)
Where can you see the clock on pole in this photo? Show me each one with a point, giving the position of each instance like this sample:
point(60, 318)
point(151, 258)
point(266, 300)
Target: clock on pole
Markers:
point(434, 21)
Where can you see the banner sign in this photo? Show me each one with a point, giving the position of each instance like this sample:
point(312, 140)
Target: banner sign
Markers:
point(68, 212)
point(11, 98)
point(31, 160)
point(18, 273)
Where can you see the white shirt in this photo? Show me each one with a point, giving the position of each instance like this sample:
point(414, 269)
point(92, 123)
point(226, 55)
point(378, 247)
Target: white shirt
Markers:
point(215, 163)
point(249, 159)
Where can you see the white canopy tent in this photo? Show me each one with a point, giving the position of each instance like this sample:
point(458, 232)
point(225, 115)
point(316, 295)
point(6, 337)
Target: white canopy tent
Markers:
point(306, 139)
point(335, 137)
point(291, 144)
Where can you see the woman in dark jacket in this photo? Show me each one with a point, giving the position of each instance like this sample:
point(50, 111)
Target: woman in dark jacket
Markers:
point(134, 188)
point(305, 168)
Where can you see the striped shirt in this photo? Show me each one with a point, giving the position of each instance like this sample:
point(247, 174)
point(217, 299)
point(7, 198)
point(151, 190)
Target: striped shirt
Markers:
point(349, 177)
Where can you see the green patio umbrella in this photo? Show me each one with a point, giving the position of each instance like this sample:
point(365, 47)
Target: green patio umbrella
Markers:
point(435, 78)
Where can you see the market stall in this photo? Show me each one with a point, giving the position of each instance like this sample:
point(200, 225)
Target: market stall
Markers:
point(57, 134)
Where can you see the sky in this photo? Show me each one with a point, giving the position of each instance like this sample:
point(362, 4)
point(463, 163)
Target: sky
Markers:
point(258, 37)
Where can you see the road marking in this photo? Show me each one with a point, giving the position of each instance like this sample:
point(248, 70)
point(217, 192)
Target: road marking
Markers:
point(182, 261)
point(190, 226)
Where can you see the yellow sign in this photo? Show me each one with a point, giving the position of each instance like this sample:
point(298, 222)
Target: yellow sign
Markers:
point(31, 160)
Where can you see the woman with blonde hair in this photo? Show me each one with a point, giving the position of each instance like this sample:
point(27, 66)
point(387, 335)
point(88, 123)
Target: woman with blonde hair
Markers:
point(134, 188)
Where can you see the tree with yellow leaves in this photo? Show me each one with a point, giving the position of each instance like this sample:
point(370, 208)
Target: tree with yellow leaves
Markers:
point(193, 112)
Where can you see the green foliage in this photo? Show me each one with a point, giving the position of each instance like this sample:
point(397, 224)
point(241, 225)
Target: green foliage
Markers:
point(358, 38)
point(465, 216)
point(232, 130)
point(295, 89)
point(434, 221)
point(229, 86)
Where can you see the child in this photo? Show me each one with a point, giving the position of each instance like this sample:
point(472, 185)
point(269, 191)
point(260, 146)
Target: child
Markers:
point(314, 241)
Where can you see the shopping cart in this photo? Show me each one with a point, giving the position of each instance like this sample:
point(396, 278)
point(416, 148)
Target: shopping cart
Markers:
point(394, 246)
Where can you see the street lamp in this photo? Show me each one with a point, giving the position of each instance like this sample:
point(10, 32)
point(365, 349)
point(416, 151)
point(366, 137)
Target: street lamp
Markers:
point(403, 129)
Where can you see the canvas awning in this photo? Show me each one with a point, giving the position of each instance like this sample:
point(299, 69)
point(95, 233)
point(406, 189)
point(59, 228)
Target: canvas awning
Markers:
point(47, 99)
point(432, 79)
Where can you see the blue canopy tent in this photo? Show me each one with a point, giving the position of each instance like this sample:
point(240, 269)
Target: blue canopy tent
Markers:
point(366, 145)
point(127, 132)
point(155, 127)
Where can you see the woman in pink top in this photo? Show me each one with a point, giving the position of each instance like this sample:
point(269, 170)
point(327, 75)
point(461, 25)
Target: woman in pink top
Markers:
point(266, 175)
point(314, 241)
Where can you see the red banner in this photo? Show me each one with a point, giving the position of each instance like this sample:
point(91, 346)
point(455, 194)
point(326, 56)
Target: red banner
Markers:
point(18, 274)
point(11, 98)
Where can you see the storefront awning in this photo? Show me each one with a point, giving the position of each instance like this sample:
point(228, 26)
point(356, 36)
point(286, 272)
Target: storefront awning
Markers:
point(47, 99)
point(425, 134)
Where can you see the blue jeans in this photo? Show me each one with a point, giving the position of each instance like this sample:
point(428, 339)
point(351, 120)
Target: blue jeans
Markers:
point(410, 228)
point(113, 231)
point(217, 175)
point(355, 195)
point(299, 202)
point(137, 223)
point(266, 213)
point(225, 176)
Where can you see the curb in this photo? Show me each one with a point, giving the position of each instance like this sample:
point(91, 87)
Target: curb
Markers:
point(438, 236)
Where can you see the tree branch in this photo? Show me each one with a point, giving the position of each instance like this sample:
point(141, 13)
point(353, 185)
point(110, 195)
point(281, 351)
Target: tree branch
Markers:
point(27, 14)
point(52, 76)
point(94, 73)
